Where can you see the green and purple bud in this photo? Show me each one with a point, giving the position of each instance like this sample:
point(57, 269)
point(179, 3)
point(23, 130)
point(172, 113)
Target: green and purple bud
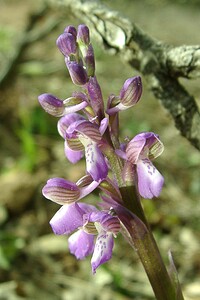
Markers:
point(77, 73)
point(96, 98)
point(83, 35)
point(90, 61)
point(67, 45)
point(129, 95)
point(71, 29)
point(52, 105)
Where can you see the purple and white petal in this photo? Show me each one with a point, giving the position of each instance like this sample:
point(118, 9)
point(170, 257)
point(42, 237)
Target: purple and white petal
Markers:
point(68, 218)
point(86, 190)
point(150, 181)
point(81, 244)
point(103, 250)
point(74, 108)
point(95, 161)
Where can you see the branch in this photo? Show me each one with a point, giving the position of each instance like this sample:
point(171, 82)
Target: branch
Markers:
point(30, 35)
point(160, 63)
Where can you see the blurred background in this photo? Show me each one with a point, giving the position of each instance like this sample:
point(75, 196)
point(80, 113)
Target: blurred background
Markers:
point(34, 263)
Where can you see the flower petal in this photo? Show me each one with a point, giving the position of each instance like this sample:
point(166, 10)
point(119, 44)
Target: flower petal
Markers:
point(95, 161)
point(72, 155)
point(106, 221)
point(52, 104)
point(134, 148)
point(150, 181)
point(103, 125)
point(66, 121)
point(68, 218)
point(61, 191)
point(81, 244)
point(102, 251)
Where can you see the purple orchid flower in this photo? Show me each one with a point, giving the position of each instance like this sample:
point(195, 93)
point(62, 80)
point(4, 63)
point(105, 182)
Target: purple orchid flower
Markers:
point(89, 222)
point(143, 148)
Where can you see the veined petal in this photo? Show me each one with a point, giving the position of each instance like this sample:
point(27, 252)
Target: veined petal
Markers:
point(156, 148)
point(52, 104)
point(131, 91)
point(106, 221)
point(61, 191)
point(153, 146)
point(150, 181)
point(134, 149)
point(72, 155)
point(90, 130)
point(68, 218)
point(65, 122)
point(81, 244)
point(103, 250)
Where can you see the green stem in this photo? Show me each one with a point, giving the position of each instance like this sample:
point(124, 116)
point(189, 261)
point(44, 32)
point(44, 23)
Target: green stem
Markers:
point(141, 239)
point(140, 236)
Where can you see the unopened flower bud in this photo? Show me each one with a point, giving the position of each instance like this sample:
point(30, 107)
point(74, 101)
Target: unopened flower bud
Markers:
point(129, 95)
point(77, 72)
point(90, 61)
point(71, 29)
point(66, 43)
point(83, 34)
point(131, 91)
point(52, 105)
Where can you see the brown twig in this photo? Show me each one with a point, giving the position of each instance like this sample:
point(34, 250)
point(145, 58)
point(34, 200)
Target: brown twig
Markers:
point(29, 36)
